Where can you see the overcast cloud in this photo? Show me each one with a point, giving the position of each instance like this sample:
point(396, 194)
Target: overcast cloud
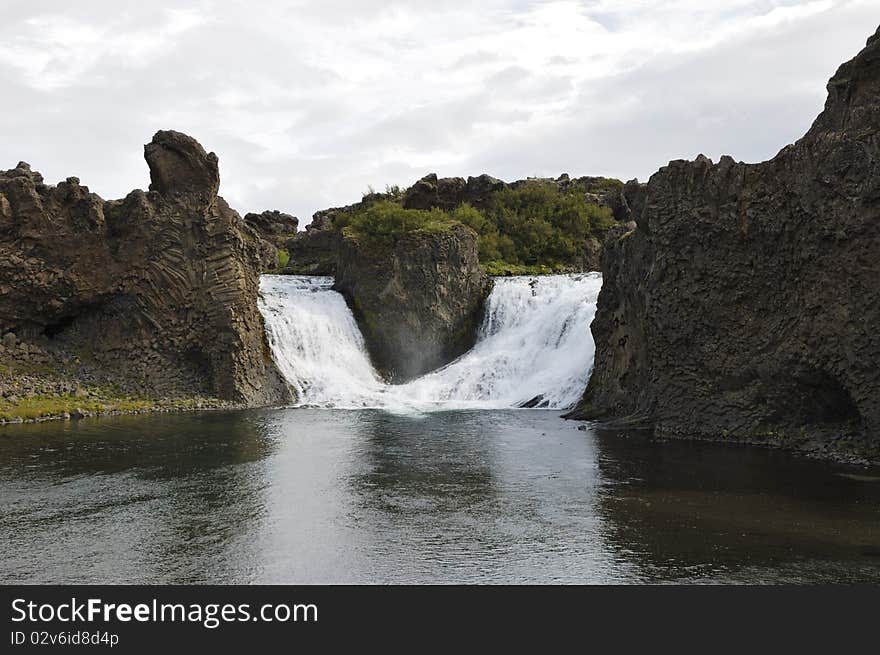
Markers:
point(307, 103)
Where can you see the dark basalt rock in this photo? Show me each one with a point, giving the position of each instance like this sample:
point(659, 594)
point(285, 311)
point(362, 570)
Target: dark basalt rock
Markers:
point(445, 193)
point(179, 164)
point(313, 252)
point(158, 287)
point(273, 226)
point(479, 189)
point(273, 229)
point(744, 301)
point(418, 305)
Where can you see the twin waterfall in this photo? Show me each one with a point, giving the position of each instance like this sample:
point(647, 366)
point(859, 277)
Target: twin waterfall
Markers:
point(534, 348)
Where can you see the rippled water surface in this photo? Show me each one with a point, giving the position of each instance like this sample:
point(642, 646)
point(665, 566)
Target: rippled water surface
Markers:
point(307, 495)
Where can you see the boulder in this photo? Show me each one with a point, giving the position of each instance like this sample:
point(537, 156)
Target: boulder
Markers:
point(480, 189)
point(313, 252)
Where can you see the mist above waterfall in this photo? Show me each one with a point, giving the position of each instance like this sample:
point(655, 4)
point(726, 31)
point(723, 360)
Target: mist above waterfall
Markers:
point(534, 347)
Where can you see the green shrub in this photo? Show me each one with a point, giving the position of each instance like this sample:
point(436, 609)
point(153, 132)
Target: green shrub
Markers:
point(283, 258)
point(536, 227)
point(385, 222)
point(545, 225)
point(600, 186)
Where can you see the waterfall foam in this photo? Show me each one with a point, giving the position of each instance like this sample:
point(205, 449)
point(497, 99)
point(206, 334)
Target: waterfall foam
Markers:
point(534, 348)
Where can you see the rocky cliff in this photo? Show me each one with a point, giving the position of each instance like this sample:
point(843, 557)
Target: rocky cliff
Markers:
point(743, 302)
point(154, 294)
point(419, 304)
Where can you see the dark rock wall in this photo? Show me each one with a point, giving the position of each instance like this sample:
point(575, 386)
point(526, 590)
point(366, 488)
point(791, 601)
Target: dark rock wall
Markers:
point(273, 226)
point(419, 305)
point(274, 229)
point(161, 286)
point(745, 299)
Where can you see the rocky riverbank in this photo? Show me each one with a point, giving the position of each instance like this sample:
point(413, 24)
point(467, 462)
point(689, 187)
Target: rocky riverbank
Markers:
point(742, 303)
point(39, 382)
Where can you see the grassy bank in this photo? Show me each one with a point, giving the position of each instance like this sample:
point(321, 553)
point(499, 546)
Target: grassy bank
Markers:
point(64, 407)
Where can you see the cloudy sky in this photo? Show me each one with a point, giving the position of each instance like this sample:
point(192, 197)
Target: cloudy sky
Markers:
point(308, 102)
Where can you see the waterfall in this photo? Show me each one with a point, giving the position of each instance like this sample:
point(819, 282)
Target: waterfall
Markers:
point(316, 342)
point(534, 348)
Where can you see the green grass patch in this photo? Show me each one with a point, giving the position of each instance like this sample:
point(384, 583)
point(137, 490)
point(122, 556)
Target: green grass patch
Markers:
point(382, 224)
point(42, 406)
point(283, 258)
point(499, 268)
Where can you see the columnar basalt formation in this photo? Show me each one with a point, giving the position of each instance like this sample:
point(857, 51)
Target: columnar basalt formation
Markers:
point(418, 305)
point(744, 301)
point(155, 292)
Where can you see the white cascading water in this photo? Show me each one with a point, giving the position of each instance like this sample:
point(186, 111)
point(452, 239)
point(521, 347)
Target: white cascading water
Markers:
point(534, 347)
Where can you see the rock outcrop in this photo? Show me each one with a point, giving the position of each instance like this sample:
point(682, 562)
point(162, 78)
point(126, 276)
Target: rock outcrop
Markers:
point(315, 250)
point(179, 164)
point(418, 305)
point(743, 302)
point(155, 293)
point(273, 226)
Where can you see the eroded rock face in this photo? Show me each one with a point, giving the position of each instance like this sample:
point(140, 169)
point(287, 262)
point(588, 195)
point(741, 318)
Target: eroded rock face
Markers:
point(744, 300)
point(179, 164)
point(418, 306)
point(159, 287)
point(445, 193)
point(274, 226)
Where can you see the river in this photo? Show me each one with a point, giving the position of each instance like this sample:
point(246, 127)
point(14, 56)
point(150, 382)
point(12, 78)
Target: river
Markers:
point(473, 496)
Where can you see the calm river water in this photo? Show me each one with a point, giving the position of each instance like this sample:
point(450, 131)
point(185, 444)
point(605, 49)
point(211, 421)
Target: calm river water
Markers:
point(325, 496)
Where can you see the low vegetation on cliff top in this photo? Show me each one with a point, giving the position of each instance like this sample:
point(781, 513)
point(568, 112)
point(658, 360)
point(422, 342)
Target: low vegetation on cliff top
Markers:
point(385, 222)
point(534, 228)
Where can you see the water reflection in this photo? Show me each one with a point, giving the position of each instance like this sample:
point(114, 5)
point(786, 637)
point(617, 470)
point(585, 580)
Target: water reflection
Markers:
point(129, 499)
point(306, 495)
point(447, 468)
point(694, 511)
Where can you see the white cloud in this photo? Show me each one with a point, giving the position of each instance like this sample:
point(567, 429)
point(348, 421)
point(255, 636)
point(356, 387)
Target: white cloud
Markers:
point(307, 103)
